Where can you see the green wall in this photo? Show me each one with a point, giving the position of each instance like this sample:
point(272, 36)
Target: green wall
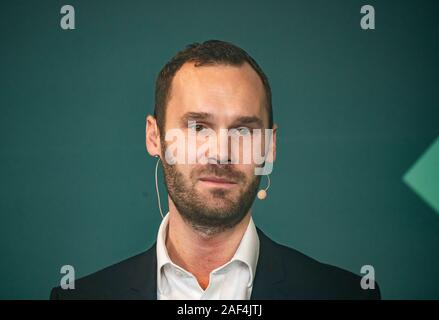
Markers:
point(356, 109)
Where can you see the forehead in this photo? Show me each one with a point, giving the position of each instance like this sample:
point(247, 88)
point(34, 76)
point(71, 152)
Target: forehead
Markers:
point(224, 91)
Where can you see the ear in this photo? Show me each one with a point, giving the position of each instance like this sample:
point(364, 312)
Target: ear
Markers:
point(152, 135)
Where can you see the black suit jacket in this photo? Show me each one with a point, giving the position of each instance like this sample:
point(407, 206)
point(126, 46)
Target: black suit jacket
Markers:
point(281, 273)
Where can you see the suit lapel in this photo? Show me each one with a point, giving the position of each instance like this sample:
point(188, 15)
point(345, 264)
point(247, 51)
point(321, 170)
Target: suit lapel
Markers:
point(269, 271)
point(145, 273)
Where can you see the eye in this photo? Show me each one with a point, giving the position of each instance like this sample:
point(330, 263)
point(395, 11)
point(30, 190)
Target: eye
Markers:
point(197, 127)
point(243, 131)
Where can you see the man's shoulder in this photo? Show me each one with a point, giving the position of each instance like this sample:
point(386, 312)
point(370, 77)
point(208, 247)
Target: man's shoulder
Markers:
point(118, 281)
point(304, 277)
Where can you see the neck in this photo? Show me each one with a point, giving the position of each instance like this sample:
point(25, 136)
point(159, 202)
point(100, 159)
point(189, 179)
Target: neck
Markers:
point(187, 246)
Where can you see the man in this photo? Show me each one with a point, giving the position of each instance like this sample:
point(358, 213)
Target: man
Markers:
point(208, 246)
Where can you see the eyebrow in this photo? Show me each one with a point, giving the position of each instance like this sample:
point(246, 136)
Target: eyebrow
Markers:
point(200, 116)
point(249, 120)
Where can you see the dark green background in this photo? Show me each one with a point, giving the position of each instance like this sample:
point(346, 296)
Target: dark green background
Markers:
point(355, 110)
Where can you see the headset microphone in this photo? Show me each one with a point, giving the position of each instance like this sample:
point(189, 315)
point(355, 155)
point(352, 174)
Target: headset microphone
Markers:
point(262, 194)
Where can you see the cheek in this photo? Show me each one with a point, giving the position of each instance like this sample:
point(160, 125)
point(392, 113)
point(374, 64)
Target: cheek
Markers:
point(248, 170)
point(245, 150)
point(190, 173)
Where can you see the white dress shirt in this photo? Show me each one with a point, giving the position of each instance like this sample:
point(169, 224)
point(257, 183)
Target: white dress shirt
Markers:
point(232, 281)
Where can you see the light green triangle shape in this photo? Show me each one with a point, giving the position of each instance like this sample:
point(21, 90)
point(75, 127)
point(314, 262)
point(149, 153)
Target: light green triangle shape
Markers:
point(423, 176)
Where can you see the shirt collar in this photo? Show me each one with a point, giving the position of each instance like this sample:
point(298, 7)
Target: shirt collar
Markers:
point(247, 252)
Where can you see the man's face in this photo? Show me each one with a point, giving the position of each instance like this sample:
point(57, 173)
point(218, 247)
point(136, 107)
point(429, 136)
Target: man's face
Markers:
point(214, 196)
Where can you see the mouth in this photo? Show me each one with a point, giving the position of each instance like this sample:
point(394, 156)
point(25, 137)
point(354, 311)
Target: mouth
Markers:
point(217, 182)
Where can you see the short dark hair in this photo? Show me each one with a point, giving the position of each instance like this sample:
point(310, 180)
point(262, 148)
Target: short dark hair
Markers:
point(207, 53)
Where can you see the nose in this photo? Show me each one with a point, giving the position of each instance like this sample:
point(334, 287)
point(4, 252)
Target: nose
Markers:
point(221, 153)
